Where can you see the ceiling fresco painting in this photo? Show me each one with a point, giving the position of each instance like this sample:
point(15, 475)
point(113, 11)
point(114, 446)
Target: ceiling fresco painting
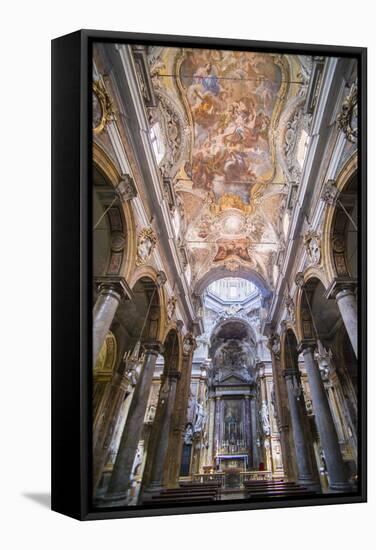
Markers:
point(232, 96)
point(232, 113)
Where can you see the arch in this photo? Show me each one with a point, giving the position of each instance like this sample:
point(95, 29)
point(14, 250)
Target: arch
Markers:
point(107, 168)
point(310, 275)
point(287, 334)
point(173, 350)
point(148, 272)
point(344, 178)
point(221, 323)
point(221, 272)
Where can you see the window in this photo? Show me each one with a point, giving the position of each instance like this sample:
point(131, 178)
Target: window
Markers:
point(157, 142)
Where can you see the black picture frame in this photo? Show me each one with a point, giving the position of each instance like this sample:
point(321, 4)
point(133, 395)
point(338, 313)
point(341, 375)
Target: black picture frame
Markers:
point(71, 272)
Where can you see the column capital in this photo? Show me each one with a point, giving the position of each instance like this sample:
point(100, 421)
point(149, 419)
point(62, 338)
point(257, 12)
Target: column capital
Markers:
point(174, 374)
point(290, 373)
point(307, 344)
point(340, 286)
point(153, 347)
point(115, 284)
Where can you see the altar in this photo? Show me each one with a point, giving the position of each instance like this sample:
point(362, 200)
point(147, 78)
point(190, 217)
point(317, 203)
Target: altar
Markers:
point(232, 461)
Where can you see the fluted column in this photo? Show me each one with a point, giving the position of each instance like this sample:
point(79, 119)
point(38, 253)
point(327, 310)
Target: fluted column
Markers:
point(247, 423)
point(105, 425)
point(254, 420)
point(111, 291)
point(180, 413)
point(161, 429)
point(296, 406)
point(120, 478)
point(338, 478)
point(343, 292)
point(211, 430)
point(217, 425)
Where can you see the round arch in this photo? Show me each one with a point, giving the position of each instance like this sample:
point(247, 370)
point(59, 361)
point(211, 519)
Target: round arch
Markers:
point(288, 333)
point(173, 349)
point(221, 272)
point(309, 276)
point(123, 230)
point(344, 178)
point(223, 322)
point(148, 272)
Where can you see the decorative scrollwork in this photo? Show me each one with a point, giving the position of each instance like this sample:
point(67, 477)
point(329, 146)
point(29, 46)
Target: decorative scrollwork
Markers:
point(102, 107)
point(145, 245)
point(348, 117)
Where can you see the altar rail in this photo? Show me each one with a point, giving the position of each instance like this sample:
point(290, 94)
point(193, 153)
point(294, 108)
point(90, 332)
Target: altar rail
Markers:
point(220, 477)
point(256, 475)
point(207, 478)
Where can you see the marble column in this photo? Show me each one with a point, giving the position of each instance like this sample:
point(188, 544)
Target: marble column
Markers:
point(211, 439)
point(179, 419)
point(161, 430)
point(120, 479)
point(247, 424)
point(343, 292)
point(111, 291)
point(105, 425)
point(297, 412)
point(255, 450)
point(217, 426)
point(338, 477)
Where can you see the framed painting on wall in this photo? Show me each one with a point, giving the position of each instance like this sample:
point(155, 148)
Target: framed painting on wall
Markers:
point(209, 274)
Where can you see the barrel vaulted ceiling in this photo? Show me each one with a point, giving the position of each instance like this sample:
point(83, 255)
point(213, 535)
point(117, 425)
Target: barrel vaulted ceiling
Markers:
point(233, 127)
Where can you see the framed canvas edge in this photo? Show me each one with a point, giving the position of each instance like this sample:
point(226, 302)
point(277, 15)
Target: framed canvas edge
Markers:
point(87, 37)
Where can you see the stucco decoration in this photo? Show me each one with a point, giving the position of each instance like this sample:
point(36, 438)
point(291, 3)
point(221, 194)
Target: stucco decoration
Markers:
point(226, 109)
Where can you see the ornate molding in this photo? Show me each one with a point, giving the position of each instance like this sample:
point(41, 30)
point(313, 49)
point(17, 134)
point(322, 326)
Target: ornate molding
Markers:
point(299, 279)
point(189, 344)
point(126, 188)
point(171, 307)
point(329, 193)
point(274, 345)
point(102, 107)
point(312, 243)
point(348, 117)
point(146, 243)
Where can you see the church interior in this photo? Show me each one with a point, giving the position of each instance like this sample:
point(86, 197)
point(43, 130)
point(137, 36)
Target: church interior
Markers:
point(225, 260)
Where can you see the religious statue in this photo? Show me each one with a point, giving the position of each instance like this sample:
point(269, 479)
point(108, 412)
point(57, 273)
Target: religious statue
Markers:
point(151, 414)
point(323, 358)
point(171, 307)
point(274, 344)
point(145, 245)
point(264, 417)
point(189, 344)
point(200, 417)
point(138, 460)
point(188, 434)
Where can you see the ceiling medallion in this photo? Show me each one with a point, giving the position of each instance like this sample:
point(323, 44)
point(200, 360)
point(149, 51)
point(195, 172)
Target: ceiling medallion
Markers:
point(232, 223)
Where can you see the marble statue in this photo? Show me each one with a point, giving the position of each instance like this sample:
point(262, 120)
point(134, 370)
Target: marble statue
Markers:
point(188, 435)
point(264, 417)
point(200, 416)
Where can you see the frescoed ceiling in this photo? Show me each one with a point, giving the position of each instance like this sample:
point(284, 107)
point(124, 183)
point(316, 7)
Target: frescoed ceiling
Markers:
point(231, 122)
